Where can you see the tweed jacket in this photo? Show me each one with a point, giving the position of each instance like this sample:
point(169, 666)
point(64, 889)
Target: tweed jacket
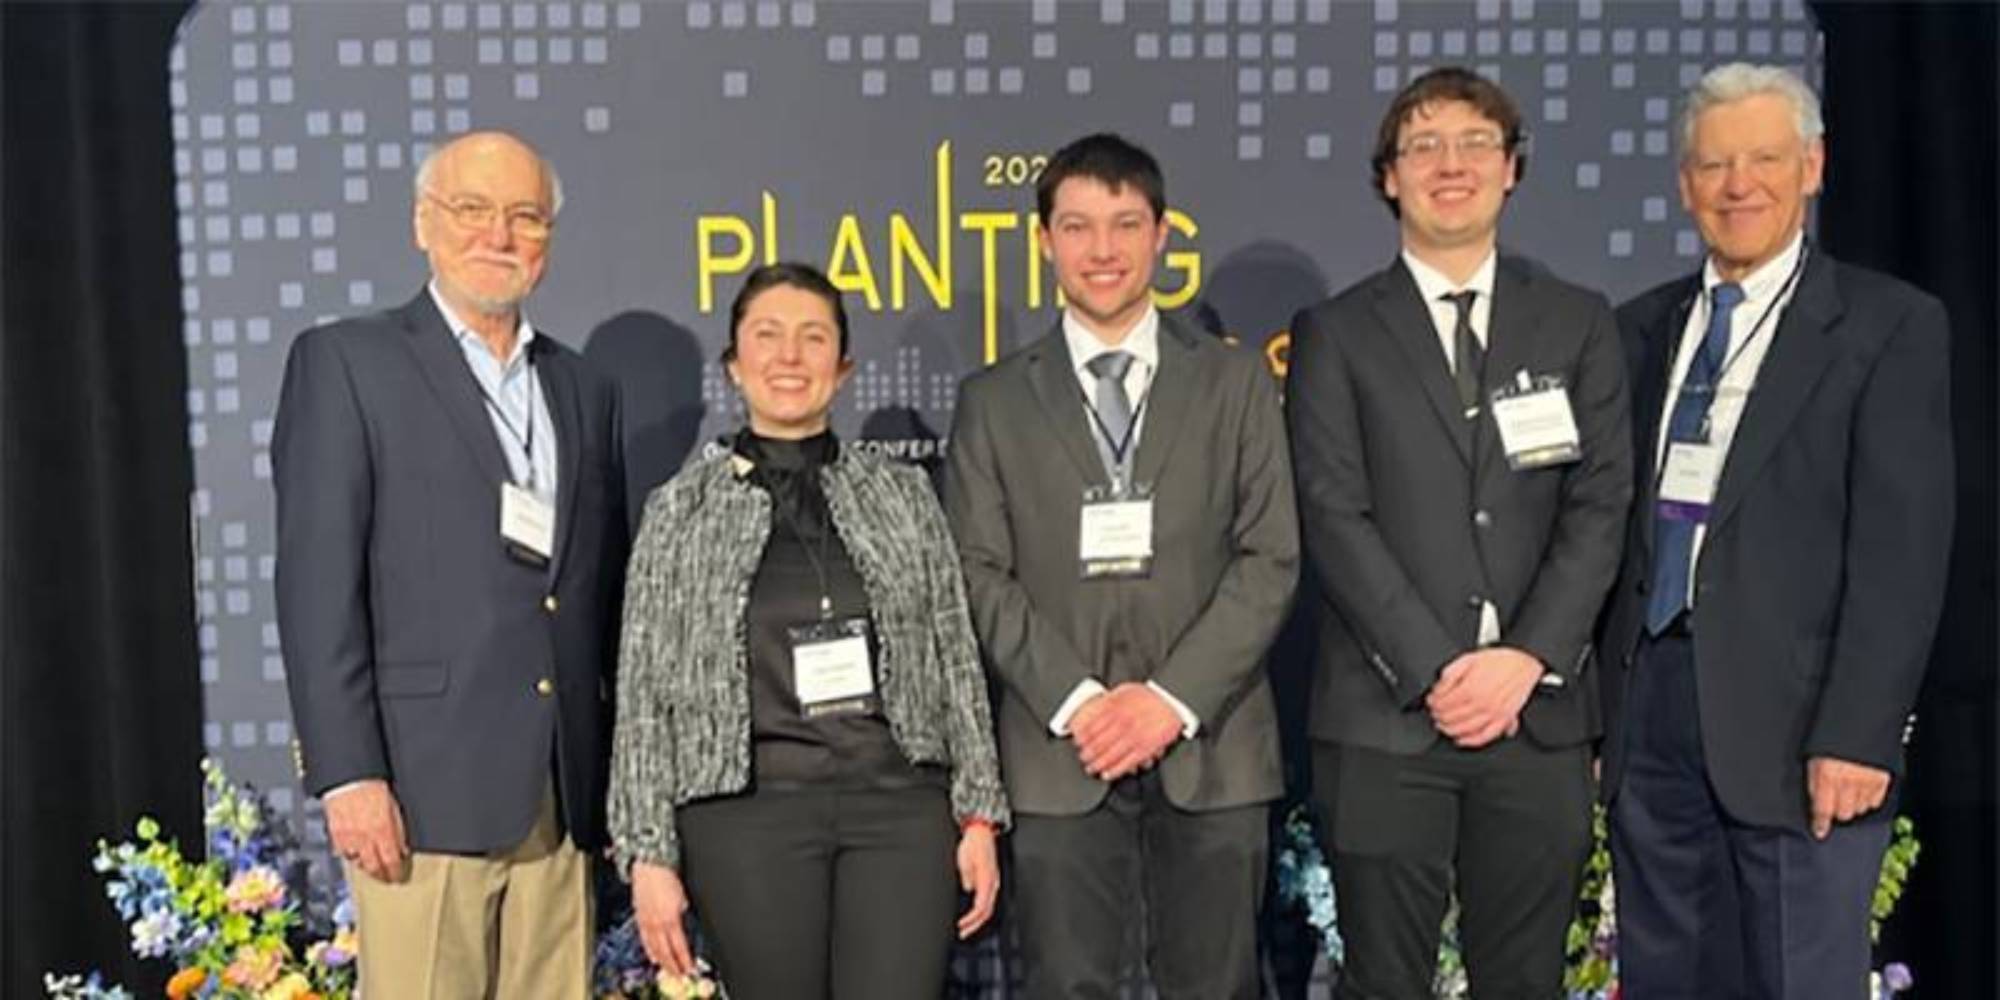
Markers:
point(683, 716)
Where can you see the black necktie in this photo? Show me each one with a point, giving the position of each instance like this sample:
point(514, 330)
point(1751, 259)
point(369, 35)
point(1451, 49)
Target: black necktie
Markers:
point(1471, 359)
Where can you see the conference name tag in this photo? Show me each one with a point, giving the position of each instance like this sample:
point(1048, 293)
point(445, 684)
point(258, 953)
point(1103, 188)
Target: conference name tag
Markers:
point(832, 671)
point(1687, 483)
point(1115, 534)
point(1537, 428)
point(527, 524)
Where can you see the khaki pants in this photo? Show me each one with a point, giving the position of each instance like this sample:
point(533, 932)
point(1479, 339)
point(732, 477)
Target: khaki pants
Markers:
point(495, 927)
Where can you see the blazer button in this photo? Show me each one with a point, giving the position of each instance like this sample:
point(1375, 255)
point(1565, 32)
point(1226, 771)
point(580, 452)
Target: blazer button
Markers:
point(1475, 601)
point(550, 604)
point(545, 687)
point(1482, 518)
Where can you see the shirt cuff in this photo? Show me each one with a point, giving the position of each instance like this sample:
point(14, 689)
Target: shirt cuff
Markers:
point(343, 789)
point(1085, 690)
point(1190, 723)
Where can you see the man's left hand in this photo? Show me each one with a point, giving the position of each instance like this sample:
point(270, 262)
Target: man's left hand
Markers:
point(1479, 696)
point(1842, 791)
point(1134, 729)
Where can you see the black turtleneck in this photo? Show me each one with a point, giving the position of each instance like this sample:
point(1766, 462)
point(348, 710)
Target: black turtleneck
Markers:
point(803, 560)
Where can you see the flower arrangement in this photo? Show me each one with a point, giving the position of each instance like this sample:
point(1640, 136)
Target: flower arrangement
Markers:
point(230, 923)
point(244, 924)
point(1304, 881)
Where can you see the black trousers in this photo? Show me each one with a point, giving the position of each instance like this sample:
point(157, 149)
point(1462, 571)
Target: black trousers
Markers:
point(1712, 909)
point(1192, 880)
point(1506, 826)
point(817, 893)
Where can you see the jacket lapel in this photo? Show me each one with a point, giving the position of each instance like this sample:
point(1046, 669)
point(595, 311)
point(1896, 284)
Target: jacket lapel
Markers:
point(1167, 402)
point(1401, 308)
point(1512, 323)
point(443, 366)
point(1799, 353)
point(1649, 398)
point(565, 411)
point(1055, 386)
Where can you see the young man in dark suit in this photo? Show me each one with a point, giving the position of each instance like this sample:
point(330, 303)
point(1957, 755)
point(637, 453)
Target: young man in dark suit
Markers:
point(1122, 499)
point(451, 540)
point(1459, 433)
point(1784, 572)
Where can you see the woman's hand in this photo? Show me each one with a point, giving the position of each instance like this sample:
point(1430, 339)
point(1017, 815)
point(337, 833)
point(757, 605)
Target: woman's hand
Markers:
point(661, 906)
point(978, 874)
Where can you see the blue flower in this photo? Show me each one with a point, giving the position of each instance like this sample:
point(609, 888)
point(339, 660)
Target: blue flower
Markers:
point(154, 933)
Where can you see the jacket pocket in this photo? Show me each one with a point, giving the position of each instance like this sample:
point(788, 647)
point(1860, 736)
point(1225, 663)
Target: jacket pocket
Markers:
point(410, 680)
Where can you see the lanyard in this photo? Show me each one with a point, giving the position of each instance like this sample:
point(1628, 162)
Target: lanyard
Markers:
point(527, 440)
point(1784, 290)
point(817, 559)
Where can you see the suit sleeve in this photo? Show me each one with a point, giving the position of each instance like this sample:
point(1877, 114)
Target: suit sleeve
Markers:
point(323, 476)
point(1222, 653)
point(1897, 549)
point(644, 775)
point(1556, 616)
point(1025, 650)
point(968, 726)
point(1352, 562)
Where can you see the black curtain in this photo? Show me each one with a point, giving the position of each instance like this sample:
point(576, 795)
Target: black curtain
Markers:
point(100, 701)
point(1913, 110)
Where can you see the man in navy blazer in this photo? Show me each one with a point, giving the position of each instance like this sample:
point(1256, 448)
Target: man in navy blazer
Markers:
point(1785, 565)
point(451, 537)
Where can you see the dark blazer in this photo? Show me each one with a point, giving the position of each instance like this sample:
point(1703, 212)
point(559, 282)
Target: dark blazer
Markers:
point(1225, 561)
point(416, 649)
point(1822, 573)
point(1413, 518)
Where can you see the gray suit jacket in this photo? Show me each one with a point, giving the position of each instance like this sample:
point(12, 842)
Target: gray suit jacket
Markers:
point(416, 649)
point(1225, 542)
point(1414, 520)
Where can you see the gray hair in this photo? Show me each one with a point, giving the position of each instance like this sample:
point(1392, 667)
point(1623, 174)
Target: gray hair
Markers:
point(1735, 81)
point(426, 168)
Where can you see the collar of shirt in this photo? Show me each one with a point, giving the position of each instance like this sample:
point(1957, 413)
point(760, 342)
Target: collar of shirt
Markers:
point(1142, 342)
point(469, 342)
point(1762, 285)
point(1433, 286)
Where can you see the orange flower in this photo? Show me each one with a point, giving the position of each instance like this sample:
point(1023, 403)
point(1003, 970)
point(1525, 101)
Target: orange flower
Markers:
point(184, 983)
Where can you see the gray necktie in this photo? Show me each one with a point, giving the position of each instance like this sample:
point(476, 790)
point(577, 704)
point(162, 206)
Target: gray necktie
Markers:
point(1114, 408)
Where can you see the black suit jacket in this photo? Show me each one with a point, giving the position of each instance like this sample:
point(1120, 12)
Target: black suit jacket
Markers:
point(1820, 579)
point(1412, 518)
point(416, 649)
point(1225, 561)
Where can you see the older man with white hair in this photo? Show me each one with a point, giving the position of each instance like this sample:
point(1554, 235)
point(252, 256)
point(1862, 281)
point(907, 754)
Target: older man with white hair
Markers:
point(1785, 566)
point(451, 539)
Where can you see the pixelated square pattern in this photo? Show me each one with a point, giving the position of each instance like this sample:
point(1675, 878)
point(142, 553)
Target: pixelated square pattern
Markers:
point(297, 127)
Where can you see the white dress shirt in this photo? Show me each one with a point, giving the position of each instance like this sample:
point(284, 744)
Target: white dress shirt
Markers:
point(1434, 286)
point(1752, 328)
point(1142, 341)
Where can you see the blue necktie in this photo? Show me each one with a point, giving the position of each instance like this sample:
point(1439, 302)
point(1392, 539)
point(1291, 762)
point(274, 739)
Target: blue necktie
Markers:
point(1673, 538)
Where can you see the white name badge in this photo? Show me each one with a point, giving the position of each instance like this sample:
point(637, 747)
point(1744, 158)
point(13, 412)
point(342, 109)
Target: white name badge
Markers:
point(1115, 536)
point(1687, 483)
point(1537, 428)
point(527, 523)
point(831, 668)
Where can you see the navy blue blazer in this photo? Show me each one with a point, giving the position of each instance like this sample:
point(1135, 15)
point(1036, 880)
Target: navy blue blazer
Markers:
point(1822, 573)
point(416, 648)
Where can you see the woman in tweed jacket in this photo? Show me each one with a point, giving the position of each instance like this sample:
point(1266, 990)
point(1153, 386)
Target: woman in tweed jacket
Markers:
point(803, 745)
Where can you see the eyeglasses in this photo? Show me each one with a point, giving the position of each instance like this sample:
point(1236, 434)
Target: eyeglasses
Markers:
point(1427, 148)
point(524, 222)
point(1759, 162)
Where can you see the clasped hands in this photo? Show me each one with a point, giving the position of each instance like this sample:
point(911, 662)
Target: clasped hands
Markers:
point(1479, 695)
point(1123, 731)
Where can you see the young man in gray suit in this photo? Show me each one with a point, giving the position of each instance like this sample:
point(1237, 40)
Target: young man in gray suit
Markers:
point(1459, 432)
point(1784, 572)
point(451, 537)
point(1122, 498)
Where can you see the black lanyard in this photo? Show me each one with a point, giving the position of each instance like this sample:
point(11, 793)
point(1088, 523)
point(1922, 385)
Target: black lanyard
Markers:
point(1120, 447)
point(1729, 361)
point(527, 440)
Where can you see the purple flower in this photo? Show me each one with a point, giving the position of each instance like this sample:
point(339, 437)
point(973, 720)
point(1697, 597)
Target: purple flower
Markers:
point(1896, 976)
